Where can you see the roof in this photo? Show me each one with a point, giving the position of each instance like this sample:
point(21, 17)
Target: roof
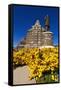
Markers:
point(37, 23)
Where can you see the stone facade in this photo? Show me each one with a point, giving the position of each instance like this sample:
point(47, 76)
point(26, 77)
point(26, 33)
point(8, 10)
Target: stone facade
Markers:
point(34, 36)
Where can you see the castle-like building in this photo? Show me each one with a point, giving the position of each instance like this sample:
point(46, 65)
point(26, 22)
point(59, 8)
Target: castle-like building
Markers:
point(38, 36)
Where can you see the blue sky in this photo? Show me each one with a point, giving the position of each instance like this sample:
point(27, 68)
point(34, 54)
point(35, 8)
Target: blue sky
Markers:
point(25, 16)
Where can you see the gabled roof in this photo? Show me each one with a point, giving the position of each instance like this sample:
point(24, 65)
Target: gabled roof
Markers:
point(37, 23)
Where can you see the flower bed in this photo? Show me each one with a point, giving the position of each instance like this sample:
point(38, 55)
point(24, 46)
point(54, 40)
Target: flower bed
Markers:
point(42, 63)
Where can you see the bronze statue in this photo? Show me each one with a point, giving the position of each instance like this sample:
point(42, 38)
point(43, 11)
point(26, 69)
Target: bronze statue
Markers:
point(47, 23)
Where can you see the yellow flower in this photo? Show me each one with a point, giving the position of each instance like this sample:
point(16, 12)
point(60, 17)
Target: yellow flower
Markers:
point(56, 78)
point(37, 60)
point(52, 77)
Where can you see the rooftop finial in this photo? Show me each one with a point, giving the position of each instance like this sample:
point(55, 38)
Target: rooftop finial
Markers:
point(37, 22)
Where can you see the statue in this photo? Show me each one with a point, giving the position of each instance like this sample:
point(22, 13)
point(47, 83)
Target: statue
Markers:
point(47, 23)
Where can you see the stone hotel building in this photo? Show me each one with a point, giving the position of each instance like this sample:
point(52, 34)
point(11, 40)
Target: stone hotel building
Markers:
point(38, 36)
